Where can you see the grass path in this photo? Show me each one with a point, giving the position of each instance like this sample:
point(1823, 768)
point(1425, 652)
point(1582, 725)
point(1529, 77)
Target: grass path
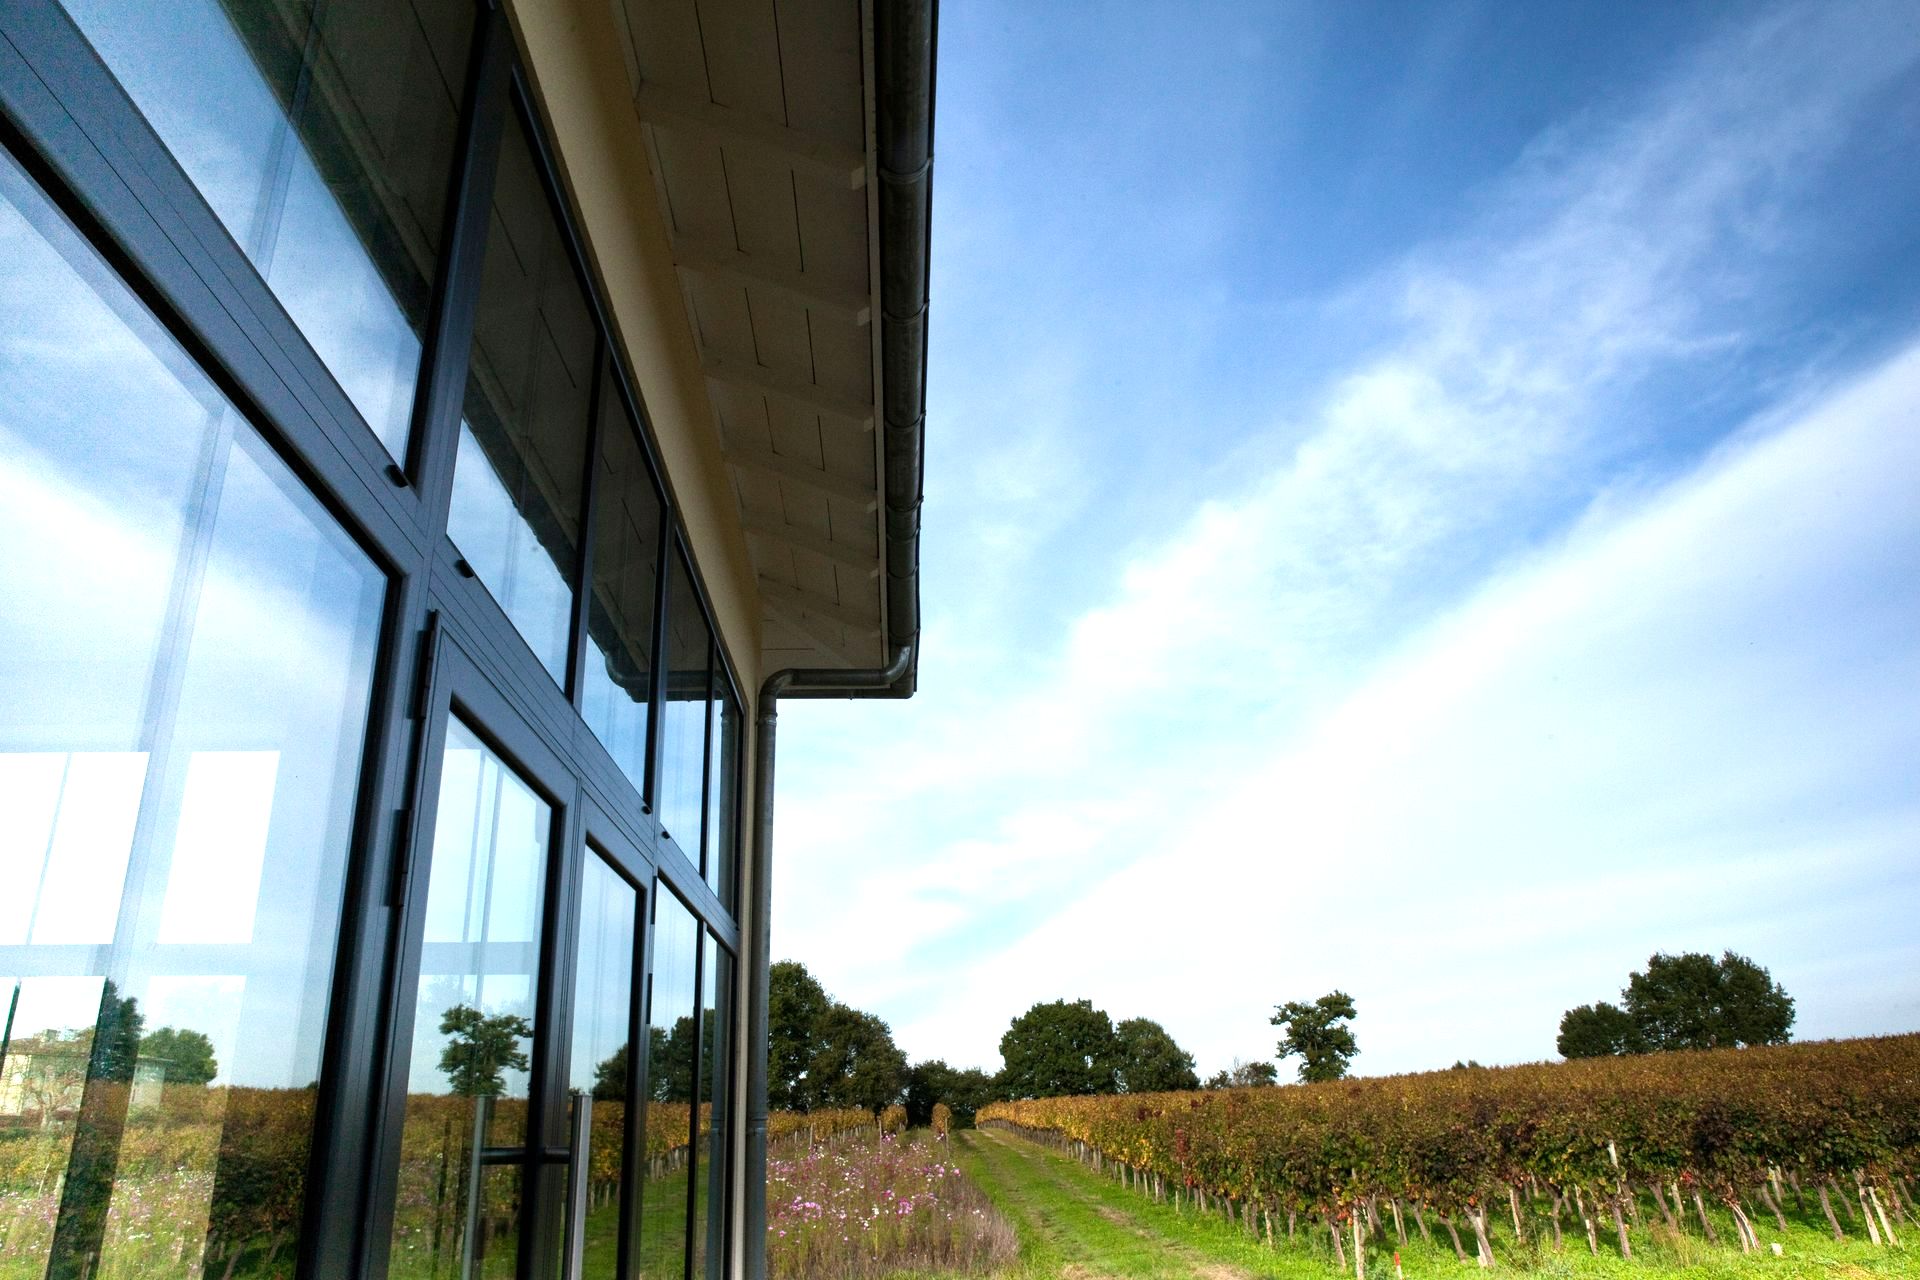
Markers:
point(1077, 1225)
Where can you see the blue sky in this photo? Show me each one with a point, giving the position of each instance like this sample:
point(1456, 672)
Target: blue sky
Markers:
point(1420, 499)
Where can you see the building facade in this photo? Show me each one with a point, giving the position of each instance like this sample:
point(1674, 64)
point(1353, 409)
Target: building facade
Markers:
point(428, 430)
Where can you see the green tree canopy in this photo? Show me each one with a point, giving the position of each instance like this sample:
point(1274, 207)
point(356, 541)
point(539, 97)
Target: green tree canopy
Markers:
point(964, 1089)
point(188, 1054)
point(796, 1004)
point(1686, 1001)
point(1245, 1075)
point(1059, 1049)
point(1147, 1060)
point(1597, 1030)
point(610, 1077)
point(1692, 1001)
point(1316, 1034)
point(479, 1048)
point(857, 1063)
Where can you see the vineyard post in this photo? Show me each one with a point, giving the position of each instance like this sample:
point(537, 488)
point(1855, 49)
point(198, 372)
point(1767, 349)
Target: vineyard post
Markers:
point(1706, 1223)
point(1773, 1205)
point(1860, 1185)
point(1874, 1197)
point(1359, 1251)
point(1399, 1226)
point(1660, 1202)
point(1558, 1200)
point(1513, 1203)
point(1586, 1220)
point(1339, 1250)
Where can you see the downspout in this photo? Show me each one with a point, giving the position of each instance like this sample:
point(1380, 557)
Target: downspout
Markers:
point(904, 47)
point(791, 682)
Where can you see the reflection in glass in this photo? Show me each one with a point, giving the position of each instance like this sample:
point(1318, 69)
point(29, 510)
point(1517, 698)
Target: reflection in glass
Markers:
point(322, 134)
point(186, 649)
point(626, 573)
point(602, 1032)
point(672, 1053)
point(467, 1079)
point(723, 798)
point(716, 1018)
point(523, 443)
point(683, 744)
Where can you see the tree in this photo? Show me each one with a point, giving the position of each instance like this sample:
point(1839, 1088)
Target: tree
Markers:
point(1147, 1060)
point(1688, 1001)
point(796, 1003)
point(965, 1090)
point(1692, 1001)
point(1245, 1075)
point(1315, 1034)
point(480, 1048)
point(1058, 1049)
point(188, 1054)
point(1597, 1030)
point(857, 1063)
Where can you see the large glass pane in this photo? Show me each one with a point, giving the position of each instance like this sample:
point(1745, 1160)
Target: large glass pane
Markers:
point(602, 1034)
point(716, 1079)
point(723, 794)
point(671, 1059)
point(523, 443)
point(186, 649)
point(467, 1078)
point(683, 745)
point(322, 133)
point(626, 575)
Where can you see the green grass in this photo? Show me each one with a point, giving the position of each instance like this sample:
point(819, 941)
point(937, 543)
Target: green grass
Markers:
point(1075, 1224)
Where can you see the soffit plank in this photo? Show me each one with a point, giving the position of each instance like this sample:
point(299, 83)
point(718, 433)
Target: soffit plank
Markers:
point(822, 635)
point(862, 563)
point(662, 106)
point(853, 619)
point(862, 493)
point(798, 390)
point(814, 289)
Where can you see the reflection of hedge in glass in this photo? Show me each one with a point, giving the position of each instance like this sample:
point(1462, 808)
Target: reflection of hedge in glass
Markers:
point(204, 1179)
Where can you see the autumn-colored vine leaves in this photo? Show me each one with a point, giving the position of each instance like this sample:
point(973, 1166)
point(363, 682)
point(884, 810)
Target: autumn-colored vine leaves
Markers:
point(1727, 1127)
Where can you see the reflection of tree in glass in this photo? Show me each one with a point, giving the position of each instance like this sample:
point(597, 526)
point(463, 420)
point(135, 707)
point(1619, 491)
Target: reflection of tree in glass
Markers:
point(610, 1077)
point(480, 1049)
point(186, 1053)
point(670, 1076)
point(670, 1061)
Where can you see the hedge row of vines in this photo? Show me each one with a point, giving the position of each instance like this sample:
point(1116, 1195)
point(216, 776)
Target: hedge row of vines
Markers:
point(1835, 1123)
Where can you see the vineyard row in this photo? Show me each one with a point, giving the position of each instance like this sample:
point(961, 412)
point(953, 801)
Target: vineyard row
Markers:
point(1837, 1121)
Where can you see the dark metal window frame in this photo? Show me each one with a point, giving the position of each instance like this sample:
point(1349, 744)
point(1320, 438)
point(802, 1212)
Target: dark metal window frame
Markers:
point(66, 120)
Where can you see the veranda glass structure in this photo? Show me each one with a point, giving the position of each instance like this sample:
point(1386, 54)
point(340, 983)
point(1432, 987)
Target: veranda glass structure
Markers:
point(370, 754)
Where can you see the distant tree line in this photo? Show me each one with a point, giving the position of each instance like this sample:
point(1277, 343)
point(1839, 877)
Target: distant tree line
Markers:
point(1688, 1001)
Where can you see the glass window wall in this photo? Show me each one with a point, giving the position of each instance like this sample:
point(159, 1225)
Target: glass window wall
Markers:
point(322, 134)
point(710, 1196)
point(683, 745)
point(672, 1053)
point(517, 499)
point(723, 793)
point(186, 647)
point(618, 684)
point(602, 1037)
point(473, 1026)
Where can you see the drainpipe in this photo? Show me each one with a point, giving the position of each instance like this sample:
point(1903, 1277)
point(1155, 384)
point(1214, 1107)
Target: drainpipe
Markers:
point(794, 682)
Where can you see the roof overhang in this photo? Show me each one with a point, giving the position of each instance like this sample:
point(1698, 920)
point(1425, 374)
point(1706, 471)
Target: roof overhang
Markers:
point(791, 152)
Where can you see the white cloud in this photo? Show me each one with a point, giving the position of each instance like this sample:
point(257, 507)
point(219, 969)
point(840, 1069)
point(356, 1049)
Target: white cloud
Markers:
point(1128, 811)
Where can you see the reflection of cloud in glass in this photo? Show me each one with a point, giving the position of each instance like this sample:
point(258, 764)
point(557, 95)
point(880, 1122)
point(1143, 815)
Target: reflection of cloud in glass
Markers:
point(214, 879)
point(66, 829)
point(200, 84)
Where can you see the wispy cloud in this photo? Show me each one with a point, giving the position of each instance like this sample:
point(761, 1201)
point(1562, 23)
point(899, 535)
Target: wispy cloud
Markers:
point(1218, 760)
